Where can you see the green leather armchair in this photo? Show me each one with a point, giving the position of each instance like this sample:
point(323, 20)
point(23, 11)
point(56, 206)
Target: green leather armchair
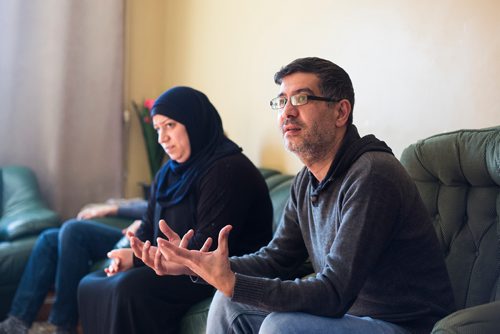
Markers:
point(23, 215)
point(458, 176)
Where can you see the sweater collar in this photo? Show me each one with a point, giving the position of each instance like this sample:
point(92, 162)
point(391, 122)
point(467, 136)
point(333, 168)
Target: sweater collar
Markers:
point(352, 147)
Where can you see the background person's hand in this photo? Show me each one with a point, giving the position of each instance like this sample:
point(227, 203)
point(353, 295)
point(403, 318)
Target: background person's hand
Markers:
point(97, 211)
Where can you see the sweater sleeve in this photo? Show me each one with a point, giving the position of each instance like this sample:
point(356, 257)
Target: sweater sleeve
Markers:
point(368, 208)
point(135, 210)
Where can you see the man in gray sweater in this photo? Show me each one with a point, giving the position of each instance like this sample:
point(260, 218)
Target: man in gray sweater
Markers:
point(353, 211)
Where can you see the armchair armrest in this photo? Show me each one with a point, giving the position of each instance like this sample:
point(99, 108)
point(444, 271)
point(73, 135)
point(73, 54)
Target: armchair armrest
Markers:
point(478, 319)
point(27, 223)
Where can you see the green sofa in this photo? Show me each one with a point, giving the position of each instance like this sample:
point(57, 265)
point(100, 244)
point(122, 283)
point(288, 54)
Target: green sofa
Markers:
point(23, 215)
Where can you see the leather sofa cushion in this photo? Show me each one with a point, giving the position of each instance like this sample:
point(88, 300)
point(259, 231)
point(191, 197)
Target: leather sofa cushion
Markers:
point(22, 210)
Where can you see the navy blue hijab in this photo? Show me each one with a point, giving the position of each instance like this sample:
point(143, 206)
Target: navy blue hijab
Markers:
point(206, 137)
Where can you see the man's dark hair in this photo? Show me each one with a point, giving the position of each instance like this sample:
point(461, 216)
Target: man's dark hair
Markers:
point(334, 82)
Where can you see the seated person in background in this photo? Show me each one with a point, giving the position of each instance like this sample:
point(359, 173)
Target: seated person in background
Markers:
point(133, 209)
point(207, 184)
point(353, 211)
point(60, 258)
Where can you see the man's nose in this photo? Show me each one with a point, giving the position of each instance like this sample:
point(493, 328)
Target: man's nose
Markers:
point(289, 110)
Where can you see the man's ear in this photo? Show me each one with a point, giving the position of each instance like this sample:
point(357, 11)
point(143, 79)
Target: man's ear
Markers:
point(344, 110)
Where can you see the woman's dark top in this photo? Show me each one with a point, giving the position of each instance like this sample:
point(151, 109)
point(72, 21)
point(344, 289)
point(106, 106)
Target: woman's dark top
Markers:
point(231, 192)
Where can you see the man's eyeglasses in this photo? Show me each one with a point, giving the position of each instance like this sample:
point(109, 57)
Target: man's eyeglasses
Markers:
point(297, 100)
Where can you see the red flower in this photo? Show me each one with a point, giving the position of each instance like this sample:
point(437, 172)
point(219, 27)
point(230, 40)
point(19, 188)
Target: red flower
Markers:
point(149, 103)
point(147, 119)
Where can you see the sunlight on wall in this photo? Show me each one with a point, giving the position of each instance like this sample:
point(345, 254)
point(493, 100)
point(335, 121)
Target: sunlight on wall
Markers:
point(144, 79)
point(417, 69)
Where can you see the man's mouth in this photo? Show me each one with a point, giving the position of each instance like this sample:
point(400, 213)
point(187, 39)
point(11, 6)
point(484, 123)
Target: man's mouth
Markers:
point(289, 128)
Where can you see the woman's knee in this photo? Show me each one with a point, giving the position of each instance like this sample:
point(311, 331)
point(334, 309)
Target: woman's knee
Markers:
point(85, 284)
point(122, 286)
point(92, 285)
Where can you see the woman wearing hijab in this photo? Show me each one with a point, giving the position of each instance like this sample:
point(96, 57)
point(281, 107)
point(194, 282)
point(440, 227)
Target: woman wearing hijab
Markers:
point(207, 184)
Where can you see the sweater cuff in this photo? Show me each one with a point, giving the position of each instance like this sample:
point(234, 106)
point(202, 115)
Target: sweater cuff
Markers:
point(248, 289)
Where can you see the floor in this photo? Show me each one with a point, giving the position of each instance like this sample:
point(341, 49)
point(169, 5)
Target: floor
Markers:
point(42, 328)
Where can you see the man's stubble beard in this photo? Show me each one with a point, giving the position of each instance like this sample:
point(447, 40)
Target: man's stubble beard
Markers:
point(315, 143)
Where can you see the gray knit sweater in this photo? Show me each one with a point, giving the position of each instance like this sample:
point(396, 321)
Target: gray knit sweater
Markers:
point(371, 244)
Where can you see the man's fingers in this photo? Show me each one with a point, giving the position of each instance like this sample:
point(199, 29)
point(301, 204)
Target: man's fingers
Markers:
point(223, 239)
point(137, 246)
point(145, 253)
point(206, 246)
point(172, 252)
point(185, 239)
point(169, 233)
point(158, 264)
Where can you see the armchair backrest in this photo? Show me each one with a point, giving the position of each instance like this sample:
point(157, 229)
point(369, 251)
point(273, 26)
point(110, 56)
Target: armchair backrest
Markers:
point(458, 177)
point(279, 190)
point(18, 188)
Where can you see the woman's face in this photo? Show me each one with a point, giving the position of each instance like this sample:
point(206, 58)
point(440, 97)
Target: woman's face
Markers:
point(173, 137)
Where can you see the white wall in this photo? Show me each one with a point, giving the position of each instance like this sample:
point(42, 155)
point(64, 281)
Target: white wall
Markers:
point(418, 67)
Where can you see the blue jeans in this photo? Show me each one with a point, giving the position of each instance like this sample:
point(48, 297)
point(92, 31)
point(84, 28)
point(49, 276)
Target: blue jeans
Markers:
point(227, 317)
point(60, 258)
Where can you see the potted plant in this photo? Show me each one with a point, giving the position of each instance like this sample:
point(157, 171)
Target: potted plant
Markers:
point(154, 150)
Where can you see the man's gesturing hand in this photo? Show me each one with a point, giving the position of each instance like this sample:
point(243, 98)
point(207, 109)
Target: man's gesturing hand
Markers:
point(153, 258)
point(213, 266)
